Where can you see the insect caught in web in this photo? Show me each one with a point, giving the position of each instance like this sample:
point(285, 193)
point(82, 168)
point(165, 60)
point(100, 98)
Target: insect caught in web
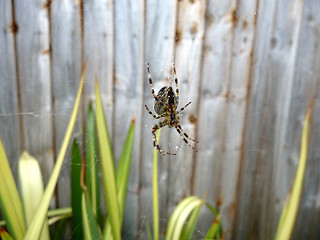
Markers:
point(165, 105)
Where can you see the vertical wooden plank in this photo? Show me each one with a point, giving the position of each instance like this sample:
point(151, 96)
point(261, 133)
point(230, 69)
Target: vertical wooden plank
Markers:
point(160, 29)
point(283, 56)
point(212, 107)
point(34, 76)
point(99, 50)
point(9, 113)
point(66, 72)
point(249, 193)
point(243, 38)
point(188, 54)
point(306, 82)
point(269, 137)
point(129, 78)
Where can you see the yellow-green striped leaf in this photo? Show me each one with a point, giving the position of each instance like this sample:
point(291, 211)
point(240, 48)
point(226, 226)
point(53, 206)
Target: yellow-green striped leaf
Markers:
point(122, 177)
point(214, 231)
point(155, 192)
point(290, 212)
point(34, 230)
point(92, 179)
point(10, 202)
point(4, 235)
point(180, 215)
point(31, 187)
point(123, 170)
point(107, 168)
point(90, 226)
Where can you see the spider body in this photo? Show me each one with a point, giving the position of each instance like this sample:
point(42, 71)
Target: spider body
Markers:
point(165, 105)
point(165, 98)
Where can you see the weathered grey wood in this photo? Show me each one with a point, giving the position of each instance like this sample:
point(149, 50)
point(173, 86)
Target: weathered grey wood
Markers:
point(284, 42)
point(128, 91)
point(99, 51)
point(188, 56)
point(212, 107)
point(66, 49)
point(255, 170)
point(250, 76)
point(306, 86)
point(271, 103)
point(33, 58)
point(9, 113)
point(160, 29)
point(240, 70)
point(98, 47)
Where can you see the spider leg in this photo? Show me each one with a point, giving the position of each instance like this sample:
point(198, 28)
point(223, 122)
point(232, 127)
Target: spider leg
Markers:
point(156, 117)
point(176, 82)
point(186, 135)
point(154, 138)
point(151, 86)
point(183, 108)
point(183, 134)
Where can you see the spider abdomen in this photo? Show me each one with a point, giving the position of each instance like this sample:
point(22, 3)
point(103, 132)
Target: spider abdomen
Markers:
point(165, 99)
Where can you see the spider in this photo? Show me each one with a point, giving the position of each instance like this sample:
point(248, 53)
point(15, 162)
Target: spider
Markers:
point(165, 105)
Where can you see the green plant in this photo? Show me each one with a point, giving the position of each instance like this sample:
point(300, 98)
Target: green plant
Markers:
point(115, 181)
point(184, 218)
point(22, 225)
point(291, 206)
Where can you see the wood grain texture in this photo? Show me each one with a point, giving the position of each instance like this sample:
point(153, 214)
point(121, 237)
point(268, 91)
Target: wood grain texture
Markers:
point(160, 29)
point(235, 122)
point(250, 68)
point(33, 59)
point(260, 128)
point(188, 59)
point(270, 145)
point(217, 55)
point(9, 111)
point(98, 47)
point(66, 62)
point(128, 91)
point(305, 87)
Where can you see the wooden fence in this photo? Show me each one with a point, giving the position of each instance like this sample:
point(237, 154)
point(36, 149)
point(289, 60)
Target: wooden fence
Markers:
point(250, 68)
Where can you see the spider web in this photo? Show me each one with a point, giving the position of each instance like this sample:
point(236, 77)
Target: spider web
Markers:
point(173, 172)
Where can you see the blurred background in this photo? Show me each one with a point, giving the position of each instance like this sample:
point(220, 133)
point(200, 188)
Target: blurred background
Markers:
point(250, 69)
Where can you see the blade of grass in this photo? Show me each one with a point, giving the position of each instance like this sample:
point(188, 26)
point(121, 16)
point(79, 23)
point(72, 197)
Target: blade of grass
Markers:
point(59, 211)
point(122, 176)
point(184, 216)
point(155, 192)
point(76, 191)
point(61, 217)
point(148, 229)
point(59, 230)
point(90, 226)
point(31, 187)
point(213, 232)
point(191, 225)
point(92, 179)
point(284, 213)
point(4, 235)
point(183, 208)
point(107, 168)
point(10, 202)
point(213, 209)
point(124, 169)
point(34, 231)
point(287, 224)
